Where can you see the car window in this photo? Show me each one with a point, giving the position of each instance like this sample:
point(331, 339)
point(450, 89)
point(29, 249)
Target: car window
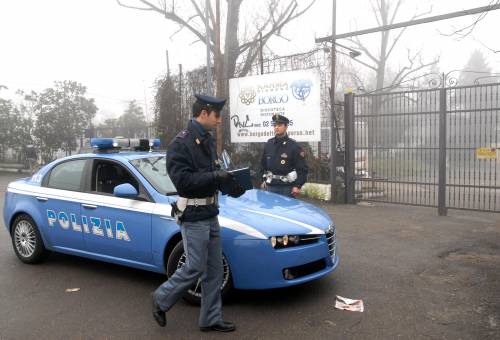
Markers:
point(67, 175)
point(107, 175)
point(154, 169)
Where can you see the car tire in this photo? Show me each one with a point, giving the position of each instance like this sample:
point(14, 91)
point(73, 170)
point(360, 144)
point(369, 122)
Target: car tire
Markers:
point(193, 295)
point(26, 240)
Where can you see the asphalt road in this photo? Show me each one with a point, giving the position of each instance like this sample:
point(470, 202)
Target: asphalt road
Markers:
point(419, 275)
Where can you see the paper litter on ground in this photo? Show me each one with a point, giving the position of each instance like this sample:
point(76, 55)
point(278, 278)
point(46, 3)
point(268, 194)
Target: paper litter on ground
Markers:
point(349, 304)
point(71, 290)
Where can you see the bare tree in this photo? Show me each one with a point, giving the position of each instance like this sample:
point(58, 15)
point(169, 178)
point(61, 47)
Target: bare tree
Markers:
point(237, 48)
point(385, 13)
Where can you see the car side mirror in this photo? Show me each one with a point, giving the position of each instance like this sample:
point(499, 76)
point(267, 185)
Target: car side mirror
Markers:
point(125, 190)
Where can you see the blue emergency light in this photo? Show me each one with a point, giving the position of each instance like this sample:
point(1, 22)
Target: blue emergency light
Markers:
point(115, 144)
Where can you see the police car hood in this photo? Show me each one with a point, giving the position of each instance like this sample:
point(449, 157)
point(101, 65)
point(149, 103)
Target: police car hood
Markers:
point(262, 214)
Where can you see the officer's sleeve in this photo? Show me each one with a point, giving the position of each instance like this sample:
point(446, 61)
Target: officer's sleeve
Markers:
point(300, 166)
point(182, 172)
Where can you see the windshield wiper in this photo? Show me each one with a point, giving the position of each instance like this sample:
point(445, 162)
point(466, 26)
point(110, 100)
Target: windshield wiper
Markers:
point(170, 193)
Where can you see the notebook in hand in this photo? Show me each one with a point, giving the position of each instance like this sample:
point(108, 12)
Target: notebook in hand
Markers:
point(243, 177)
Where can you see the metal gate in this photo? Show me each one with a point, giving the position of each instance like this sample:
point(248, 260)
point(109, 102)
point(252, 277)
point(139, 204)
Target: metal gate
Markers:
point(435, 148)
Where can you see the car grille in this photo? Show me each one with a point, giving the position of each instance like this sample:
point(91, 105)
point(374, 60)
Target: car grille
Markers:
point(332, 242)
point(308, 239)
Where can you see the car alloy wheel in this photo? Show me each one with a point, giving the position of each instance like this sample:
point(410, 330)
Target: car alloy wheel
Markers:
point(26, 240)
point(196, 289)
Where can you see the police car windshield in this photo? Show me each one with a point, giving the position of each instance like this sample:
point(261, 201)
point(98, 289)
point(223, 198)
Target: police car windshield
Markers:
point(154, 169)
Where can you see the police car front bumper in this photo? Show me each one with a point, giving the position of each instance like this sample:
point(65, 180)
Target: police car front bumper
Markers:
point(255, 264)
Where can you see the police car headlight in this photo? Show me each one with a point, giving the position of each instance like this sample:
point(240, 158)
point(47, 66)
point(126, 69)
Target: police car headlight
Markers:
point(273, 241)
point(284, 241)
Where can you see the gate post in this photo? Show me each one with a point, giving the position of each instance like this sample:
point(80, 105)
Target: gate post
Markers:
point(349, 147)
point(442, 211)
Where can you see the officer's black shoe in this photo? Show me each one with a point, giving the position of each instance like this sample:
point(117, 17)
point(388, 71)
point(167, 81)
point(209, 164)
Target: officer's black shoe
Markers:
point(221, 326)
point(158, 314)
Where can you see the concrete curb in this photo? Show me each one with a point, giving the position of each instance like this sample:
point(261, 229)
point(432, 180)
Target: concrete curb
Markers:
point(16, 171)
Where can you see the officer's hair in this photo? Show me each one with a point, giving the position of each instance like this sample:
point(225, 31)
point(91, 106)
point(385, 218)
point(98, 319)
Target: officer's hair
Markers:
point(197, 108)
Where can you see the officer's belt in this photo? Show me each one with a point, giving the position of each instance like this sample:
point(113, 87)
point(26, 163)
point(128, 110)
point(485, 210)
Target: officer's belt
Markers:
point(281, 178)
point(184, 201)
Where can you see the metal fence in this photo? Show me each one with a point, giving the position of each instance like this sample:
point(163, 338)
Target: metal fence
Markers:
point(435, 148)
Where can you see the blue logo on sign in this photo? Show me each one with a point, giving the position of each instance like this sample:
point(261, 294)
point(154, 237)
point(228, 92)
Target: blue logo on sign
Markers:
point(301, 89)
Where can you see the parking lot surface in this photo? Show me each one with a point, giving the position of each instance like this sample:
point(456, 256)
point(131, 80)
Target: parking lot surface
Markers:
point(420, 276)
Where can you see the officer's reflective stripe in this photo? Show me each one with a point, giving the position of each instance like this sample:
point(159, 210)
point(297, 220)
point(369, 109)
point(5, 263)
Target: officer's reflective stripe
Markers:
point(313, 229)
point(240, 227)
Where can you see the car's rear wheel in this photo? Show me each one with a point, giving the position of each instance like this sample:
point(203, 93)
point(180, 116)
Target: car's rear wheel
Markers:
point(26, 240)
point(178, 257)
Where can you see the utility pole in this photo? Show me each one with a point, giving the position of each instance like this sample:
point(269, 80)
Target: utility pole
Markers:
point(168, 63)
point(218, 72)
point(146, 116)
point(472, 11)
point(207, 42)
point(261, 54)
point(333, 128)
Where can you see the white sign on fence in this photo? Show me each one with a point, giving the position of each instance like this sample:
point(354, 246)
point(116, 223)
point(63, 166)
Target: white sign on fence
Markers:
point(254, 100)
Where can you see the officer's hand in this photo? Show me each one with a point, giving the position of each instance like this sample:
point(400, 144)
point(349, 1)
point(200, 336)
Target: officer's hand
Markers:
point(263, 186)
point(236, 190)
point(295, 191)
point(222, 176)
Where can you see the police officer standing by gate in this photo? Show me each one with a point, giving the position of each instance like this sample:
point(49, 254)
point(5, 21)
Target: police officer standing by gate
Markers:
point(283, 164)
point(193, 166)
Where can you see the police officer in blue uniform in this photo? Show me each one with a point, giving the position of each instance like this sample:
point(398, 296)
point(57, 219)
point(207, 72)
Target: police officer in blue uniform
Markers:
point(283, 164)
point(193, 166)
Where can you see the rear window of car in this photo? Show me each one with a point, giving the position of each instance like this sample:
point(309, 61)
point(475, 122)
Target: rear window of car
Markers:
point(67, 175)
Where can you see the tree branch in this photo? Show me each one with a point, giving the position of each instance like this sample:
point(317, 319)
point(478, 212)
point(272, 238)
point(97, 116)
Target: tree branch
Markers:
point(283, 18)
point(469, 28)
point(170, 15)
point(361, 47)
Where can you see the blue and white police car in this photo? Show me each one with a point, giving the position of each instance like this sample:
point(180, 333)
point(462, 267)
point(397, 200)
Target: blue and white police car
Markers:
point(114, 205)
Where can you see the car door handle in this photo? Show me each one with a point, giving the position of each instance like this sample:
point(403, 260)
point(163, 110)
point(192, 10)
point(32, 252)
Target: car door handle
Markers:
point(42, 199)
point(89, 206)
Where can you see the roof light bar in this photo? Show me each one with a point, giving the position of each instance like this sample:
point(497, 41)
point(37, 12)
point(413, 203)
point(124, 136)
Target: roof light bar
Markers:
point(113, 144)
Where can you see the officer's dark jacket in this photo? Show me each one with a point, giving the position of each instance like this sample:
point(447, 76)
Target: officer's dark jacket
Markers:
point(191, 158)
point(281, 156)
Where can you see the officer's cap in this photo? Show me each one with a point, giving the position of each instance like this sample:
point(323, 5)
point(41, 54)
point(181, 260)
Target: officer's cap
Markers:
point(279, 119)
point(211, 103)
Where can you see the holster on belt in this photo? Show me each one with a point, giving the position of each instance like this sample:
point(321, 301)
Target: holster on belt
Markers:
point(182, 203)
point(176, 213)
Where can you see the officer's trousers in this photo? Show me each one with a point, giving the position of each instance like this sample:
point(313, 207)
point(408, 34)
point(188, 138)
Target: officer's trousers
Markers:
point(285, 190)
point(202, 244)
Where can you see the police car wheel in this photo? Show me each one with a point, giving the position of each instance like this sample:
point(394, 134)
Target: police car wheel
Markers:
point(178, 257)
point(26, 240)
